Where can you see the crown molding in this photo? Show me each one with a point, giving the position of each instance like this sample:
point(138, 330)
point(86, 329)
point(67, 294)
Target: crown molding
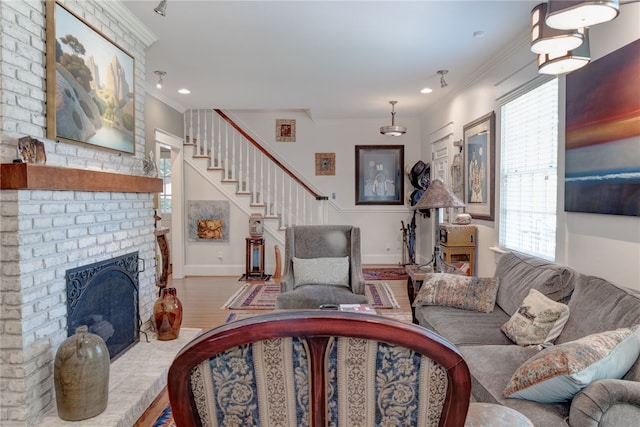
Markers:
point(130, 21)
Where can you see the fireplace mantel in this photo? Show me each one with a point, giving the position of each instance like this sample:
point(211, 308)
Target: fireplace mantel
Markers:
point(28, 176)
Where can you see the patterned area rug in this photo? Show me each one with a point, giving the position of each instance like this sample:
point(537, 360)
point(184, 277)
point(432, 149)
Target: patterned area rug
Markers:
point(385, 273)
point(263, 297)
point(165, 419)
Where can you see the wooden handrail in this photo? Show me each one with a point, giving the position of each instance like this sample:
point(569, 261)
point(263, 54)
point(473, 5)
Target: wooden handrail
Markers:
point(269, 156)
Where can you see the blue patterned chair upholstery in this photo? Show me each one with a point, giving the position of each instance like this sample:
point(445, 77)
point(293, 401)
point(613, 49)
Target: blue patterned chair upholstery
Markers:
point(321, 241)
point(319, 368)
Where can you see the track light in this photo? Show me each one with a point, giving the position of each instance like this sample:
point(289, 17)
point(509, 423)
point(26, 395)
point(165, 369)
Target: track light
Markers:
point(393, 130)
point(160, 74)
point(161, 9)
point(443, 82)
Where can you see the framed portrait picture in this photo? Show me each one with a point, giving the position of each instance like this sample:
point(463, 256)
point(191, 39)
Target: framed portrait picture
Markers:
point(90, 84)
point(325, 163)
point(379, 174)
point(479, 175)
point(285, 130)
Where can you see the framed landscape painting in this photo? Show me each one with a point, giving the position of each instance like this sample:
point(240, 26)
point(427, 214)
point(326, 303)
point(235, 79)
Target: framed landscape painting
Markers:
point(379, 174)
point(602, 143)
point(90, 84)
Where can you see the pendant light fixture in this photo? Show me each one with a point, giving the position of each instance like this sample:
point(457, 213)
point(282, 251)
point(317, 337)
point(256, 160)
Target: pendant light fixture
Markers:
point(545, 39)
point(565, 61)
point(567, 15)
point(393, 130)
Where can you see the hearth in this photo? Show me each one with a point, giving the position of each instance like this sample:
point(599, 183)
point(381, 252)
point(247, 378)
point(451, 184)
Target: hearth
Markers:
point(104, 296)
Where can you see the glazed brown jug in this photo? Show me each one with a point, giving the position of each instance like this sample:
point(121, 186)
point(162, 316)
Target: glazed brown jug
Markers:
point(167, 315)
point(81, 376)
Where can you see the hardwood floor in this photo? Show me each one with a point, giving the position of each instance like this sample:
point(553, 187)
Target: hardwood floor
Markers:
point(202, 299)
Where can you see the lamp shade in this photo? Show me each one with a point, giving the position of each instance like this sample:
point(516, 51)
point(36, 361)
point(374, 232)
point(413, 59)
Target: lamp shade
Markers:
point(565, 62)
point(438, 195)
point(545, 39)
point(566, 15)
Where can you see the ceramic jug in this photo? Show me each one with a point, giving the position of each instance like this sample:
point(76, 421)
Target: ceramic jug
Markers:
point(167, 315)
point(81, 376)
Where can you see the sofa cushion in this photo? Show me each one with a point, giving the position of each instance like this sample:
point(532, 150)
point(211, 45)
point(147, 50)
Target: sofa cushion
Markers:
point(452, 290)
point(463, 327)
point(556, 374)
point(539, 320)
point(321, 271)
point(518, 273)
point(597, 305)
point(491, 367)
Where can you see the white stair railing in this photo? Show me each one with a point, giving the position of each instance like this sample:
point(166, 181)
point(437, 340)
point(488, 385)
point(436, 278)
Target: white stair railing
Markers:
point(272, 187)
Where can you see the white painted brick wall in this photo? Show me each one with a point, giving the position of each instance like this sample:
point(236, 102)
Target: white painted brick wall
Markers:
point(45, 233)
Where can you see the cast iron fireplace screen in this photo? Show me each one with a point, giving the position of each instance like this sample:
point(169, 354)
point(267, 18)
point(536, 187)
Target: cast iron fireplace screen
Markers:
point(104, 296)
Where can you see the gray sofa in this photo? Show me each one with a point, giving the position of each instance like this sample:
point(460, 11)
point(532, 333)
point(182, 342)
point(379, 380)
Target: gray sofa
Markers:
point(596, 305)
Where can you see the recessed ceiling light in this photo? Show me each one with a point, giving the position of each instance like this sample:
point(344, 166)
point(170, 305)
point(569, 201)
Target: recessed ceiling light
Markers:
point(184, 91)
point(426, 90)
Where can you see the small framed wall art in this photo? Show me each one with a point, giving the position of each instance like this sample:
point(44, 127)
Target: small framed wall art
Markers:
point(379, 174)
point(325, 163)
point(285, 130)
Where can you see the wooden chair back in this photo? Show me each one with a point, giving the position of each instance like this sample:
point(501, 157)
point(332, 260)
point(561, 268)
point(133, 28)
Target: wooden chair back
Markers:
point(345, 368)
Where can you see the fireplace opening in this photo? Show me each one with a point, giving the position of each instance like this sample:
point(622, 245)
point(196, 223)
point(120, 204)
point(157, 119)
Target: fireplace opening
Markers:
point(104, 296)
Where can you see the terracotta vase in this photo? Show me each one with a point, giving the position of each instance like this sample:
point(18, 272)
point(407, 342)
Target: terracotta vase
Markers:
point(81, 376)
point(167, 315)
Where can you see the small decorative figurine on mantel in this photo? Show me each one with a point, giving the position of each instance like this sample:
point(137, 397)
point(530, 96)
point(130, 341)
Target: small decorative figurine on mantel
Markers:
point(30, 150)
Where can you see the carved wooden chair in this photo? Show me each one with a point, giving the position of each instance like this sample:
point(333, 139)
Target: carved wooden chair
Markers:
point(319, 368)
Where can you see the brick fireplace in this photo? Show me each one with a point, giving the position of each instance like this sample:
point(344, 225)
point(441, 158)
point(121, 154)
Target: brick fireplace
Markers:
point(95, 211)
point(53, 220)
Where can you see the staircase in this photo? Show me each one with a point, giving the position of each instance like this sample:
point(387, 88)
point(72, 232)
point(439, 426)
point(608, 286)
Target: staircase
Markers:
point(253, 179)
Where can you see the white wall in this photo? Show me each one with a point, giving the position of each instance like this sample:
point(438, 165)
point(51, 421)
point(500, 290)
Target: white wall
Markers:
point(603, 245)
point(380, 225)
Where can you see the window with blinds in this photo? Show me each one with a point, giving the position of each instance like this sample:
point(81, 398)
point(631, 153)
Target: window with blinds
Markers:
point(529, 170)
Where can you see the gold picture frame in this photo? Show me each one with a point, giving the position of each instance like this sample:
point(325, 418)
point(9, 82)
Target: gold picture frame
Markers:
point(90, 84)
point(285, 130)
point(325, 163)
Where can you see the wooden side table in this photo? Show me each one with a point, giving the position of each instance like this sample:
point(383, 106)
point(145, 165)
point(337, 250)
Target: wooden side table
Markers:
point(255, 257)
point(458, 244)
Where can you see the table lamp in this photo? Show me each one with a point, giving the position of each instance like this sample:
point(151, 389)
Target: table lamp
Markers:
point(437, 196)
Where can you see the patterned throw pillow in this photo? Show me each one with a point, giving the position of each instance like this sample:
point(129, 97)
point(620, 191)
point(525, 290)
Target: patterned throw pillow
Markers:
point(321, 271)
point(539, 320)
point(452, 290)
point(557, 373)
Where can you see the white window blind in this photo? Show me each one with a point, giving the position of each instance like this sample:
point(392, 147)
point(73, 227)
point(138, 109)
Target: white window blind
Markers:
point(529, 170)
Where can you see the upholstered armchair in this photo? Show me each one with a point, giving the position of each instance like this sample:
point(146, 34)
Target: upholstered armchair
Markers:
point(319, 368)
point(321, 266)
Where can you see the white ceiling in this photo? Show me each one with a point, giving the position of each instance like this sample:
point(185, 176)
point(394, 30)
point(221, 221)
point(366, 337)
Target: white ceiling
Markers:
point(336, 59)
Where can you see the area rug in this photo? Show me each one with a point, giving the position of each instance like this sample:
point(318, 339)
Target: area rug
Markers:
point(245, 278)
point(263, 296)
point(165, 419)
point(384, 273)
